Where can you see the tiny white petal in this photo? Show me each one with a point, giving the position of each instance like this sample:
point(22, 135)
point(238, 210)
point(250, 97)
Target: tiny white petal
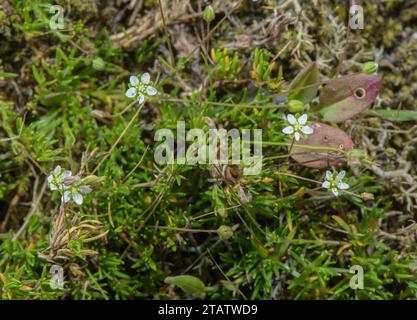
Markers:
point(78, 198)
point(131, 92)
point(329, 175)
point(303, 119)
point(49, 179)
point(145, 78)
point(307, 130)
point(341, 175)
point(291, 119)
point(151, 91)
point(343, 186)
point(335, 191)
point(57, 170)
point(141, 98)
point(66, 174)
point(53, 187)
point(297, 136)
point(85, 189)
point(134, 80)
point(288, 130)
point(66, 197)
point(326, 184)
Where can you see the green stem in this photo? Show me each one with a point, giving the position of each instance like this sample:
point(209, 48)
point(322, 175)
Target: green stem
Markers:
point(118, 139)
point(284, 144)
point(297, 177)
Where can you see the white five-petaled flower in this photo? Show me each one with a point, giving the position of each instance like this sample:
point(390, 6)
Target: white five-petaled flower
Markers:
point(75, 192)
point(140, 88)
point(68, 185)
point(297, 126)
point(333, 182)
point(57, 177)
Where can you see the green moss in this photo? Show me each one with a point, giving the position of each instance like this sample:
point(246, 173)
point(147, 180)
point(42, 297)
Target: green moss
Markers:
point(290, 239)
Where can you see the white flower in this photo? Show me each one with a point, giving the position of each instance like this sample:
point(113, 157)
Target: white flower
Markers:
point(68, 185)
point(75, 193)
point(140, 88)
point(297, 126)
point(57, 177)
point(333, 181)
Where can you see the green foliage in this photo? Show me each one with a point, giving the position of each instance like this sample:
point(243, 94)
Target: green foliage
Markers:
point(177, 231)
point(305, 85)
point(191, 285)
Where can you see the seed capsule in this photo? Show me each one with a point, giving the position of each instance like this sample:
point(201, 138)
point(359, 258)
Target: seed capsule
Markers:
point(296, 106)
point(370, 67)
point(98, 63)
point(208, 14)
point(225, 232)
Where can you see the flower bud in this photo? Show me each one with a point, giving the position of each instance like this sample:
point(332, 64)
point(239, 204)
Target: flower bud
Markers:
point(390, 152)
point(355, 157)
point(370, 67)
point(92, 180)
point(356, 153)
point(98, 64)
point(222, 212)
point(367, 196)
point(71, 180)
point(225, 232)
point(296, 106)
point(208, 14)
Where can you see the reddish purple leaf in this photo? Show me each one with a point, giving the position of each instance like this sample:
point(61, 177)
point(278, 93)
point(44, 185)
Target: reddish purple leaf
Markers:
point(323, 136)
point(345, 97)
